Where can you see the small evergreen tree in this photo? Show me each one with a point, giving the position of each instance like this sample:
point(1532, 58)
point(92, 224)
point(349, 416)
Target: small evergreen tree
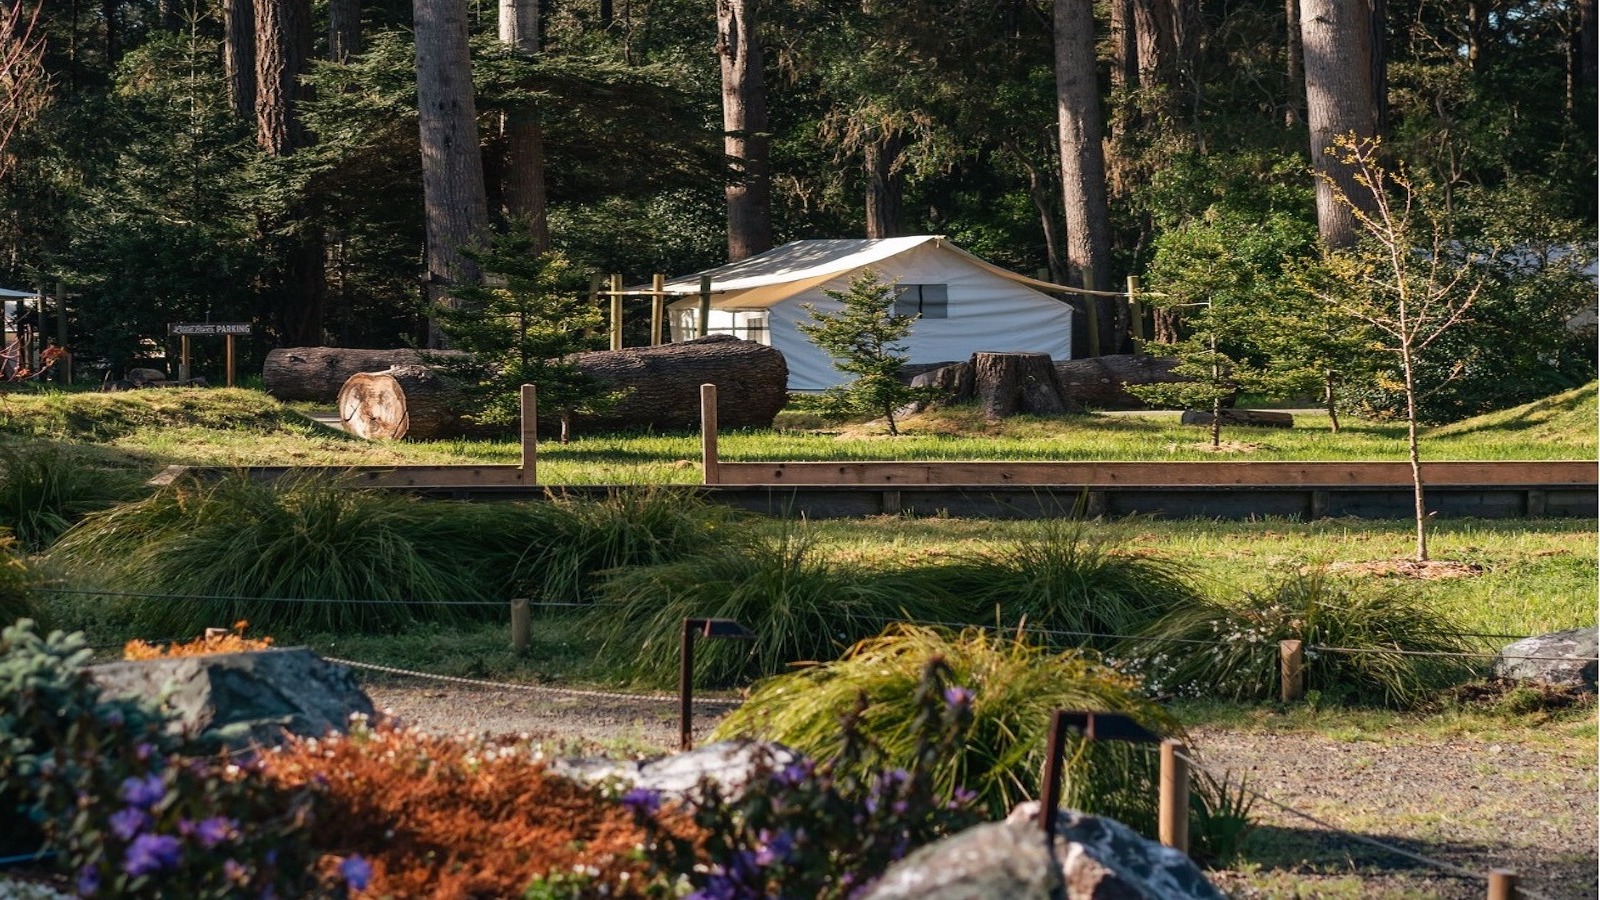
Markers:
point(866, 339)
point(521, 327)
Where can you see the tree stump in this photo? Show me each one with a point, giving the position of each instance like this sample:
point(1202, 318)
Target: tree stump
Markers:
point(318, 374)
point(1010, 383)
point(401, 402)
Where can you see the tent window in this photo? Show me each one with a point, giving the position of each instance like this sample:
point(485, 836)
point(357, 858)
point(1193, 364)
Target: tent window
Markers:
point(930, 301)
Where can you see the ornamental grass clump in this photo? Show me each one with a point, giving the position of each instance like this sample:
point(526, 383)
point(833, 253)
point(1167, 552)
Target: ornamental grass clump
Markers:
point(1074, 588)
point(101, 783)
point(44, 489)
point(641, 526)
point(304, 553)
point(1012, 687)
point(800, 604)
point(1230, 652)
point(18, 583)
point(809, 830)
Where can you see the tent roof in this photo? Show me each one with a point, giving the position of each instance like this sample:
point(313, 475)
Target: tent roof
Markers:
point(798, 266)
point(7, 294)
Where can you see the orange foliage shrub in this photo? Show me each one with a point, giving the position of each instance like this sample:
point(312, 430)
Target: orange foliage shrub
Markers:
point(231, 641)
point(450, 818)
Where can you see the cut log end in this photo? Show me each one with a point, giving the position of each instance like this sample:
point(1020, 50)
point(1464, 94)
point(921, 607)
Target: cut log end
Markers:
point(401, 402)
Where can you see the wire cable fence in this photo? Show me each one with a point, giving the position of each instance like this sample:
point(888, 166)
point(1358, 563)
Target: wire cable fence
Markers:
point(1432, 862)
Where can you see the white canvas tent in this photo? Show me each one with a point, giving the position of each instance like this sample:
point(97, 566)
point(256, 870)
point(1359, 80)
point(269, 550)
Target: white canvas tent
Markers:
point(965, 303)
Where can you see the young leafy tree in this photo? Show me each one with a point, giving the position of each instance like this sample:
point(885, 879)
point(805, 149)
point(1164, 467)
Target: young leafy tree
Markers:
point(1406, 280)
point(521, 327)
point(866, 339)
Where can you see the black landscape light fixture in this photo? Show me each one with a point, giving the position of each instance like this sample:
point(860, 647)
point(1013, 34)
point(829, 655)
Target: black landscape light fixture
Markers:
point(706, 628)
point(1092, 726)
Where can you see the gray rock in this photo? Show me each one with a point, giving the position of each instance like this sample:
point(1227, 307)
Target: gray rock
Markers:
point(1564, 659)
point(1090, 858)
point(240, 699)
point(728, 763)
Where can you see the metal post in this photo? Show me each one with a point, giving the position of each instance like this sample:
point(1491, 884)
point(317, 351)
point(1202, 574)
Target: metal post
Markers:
point(530, 434)
point(616, 312)
point(705, 305)
point(658, 307)
point(708, 434)
point(686, 687)
point(1050, 780)
point(519, 624)
point(1292, 670)
point(1174, 816)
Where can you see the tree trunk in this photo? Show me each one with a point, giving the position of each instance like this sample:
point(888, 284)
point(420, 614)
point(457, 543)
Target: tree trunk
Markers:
point(523, 196)
point(1294, 105)
point(413, 402)
point(344, 30)
point(239, 55)
point(1083, 166)
point(318, 373)
point(744, 124)
point(1337, 37)
point(1010, 383)
point(1043, 192)
point(886, 186)
point(283, 51)
point(455, 209)
point(1583, 71)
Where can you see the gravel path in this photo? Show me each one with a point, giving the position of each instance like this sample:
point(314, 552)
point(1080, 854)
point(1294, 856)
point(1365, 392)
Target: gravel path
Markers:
point(1477, 804)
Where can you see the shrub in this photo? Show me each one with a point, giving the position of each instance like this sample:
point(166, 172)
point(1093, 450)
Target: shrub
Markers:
point(356, 560)
point(1231, 652)
point(44, 490)
point(231, 641)
point(801, 606)
point(1014, 688)
point(101, 780)
point(1060, 579)
point(806, 831)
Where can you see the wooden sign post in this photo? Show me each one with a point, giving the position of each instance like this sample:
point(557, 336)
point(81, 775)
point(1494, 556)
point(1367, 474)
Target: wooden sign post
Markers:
point(185, 329)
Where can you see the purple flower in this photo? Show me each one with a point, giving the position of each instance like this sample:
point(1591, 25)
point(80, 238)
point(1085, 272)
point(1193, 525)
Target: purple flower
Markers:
point(213, 831)
point(144, 792)
point(127, 822)
point(794, 774)
point(775, 848)
point(151, 853)
point(962, 797)
point(88, 881)
point(356, 872)
point(143, 750)
point(643, 801)
point(234, 872)
point(957, 697)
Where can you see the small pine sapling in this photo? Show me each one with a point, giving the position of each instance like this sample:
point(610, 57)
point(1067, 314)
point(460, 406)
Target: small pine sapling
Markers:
point(522, 326)
point(867, 340)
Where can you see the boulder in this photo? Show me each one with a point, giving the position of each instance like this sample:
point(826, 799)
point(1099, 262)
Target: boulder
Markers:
point(728, 763)
point(1562, 659)
point(1089, 858)
point(242, 699)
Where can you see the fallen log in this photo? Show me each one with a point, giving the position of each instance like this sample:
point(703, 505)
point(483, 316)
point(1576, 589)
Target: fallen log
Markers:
point(658, 387)
point(1258, 418)
point(318, 374)
point(1100, 382)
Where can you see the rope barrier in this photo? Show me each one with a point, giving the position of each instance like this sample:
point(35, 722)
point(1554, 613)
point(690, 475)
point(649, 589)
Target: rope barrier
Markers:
point(531, 688)
point(1481, 655)
point(1439, 864)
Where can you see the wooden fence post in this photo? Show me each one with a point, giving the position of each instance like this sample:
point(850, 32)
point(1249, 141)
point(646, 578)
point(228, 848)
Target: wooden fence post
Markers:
point(616, 312)
point(1135, 309)
point(1502, 884)
point(1292, 670)
point(705, 305)
point(519, 624)
point(658, 307)
point(183, 357)
point(530, 434)
point(1174, 815)
point(1091, 309)
point(708, 433)
point(230, 360)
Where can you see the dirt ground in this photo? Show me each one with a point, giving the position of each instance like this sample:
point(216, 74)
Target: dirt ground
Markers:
point(1476, 804)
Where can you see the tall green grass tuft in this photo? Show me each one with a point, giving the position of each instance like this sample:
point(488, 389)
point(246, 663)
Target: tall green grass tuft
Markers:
point(18, 580)
point(244, 549)
point(801, 605)
point(1060, 578)
point(1012, 686)
point(44, 489)
point(639, 526)
point(1230, 652)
